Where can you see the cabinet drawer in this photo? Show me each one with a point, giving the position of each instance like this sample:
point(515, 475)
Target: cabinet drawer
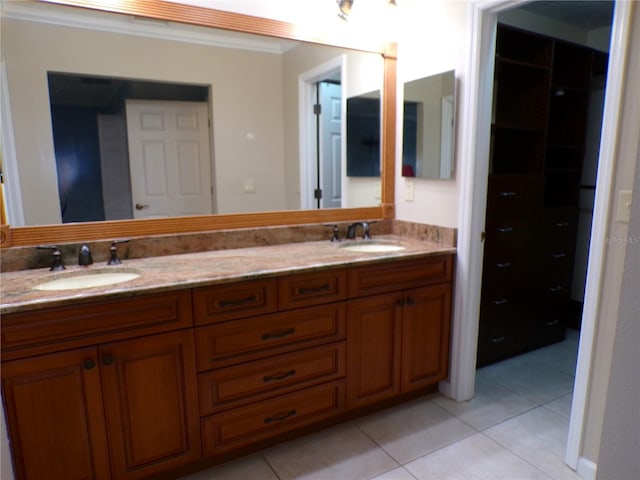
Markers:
point(303, 290)
point(512, 194)
point(501, 339)
point(220, 344)
point(249, 382)
point(397, 275)
point(251, 424)
point(220, 303)
point(66, 327)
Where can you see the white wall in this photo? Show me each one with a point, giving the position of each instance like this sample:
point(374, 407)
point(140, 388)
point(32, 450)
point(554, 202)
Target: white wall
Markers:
point(432, 39)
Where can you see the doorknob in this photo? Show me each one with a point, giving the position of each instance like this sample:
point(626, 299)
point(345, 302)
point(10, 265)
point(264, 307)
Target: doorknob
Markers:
point(140, 206)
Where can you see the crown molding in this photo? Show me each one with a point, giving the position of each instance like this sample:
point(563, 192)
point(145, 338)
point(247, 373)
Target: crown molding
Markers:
point(140, 27)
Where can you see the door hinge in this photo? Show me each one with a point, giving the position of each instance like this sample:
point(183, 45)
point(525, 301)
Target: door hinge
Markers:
point(317, 194)
point(317, 109)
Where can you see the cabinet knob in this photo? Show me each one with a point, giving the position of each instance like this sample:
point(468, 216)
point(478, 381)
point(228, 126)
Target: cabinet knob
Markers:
point(107, 359)
point(89, 364)
point(411, 301)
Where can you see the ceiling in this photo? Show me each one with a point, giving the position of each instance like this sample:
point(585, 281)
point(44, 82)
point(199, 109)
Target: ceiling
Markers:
point(587, 14)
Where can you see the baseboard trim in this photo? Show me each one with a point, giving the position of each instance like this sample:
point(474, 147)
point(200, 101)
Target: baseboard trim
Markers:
point(586, 468)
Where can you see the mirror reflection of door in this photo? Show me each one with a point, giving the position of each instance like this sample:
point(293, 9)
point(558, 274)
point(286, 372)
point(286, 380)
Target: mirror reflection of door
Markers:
point(329, 167)
point(169, 158)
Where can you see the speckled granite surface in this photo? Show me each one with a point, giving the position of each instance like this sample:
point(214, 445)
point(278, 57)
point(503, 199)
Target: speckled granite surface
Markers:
point(170, 272)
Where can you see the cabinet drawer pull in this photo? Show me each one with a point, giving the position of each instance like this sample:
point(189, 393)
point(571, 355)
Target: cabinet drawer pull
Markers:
point(411, 301)
point(278, 376)
point(562, 224)
point(497, 339)
point(236, 303)
point(305, 291)
point(278, 334)
point(280, 417)
point(556, 289)
point(559, 255)
point(503, 264)
point(505, 229)
point(107, 360)
point(508, 194)
point(499, 301)
point(89, 364)
point(552, 323)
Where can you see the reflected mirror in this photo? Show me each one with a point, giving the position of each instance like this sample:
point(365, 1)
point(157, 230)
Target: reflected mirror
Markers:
point(428, 127)
point(243, 135)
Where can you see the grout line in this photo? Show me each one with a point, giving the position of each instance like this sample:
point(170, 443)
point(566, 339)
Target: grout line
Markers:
point(264, 457)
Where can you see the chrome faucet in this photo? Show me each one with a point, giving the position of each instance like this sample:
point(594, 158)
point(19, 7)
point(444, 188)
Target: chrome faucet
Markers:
point(85, 257)
point(57, 257)
point(351, 230)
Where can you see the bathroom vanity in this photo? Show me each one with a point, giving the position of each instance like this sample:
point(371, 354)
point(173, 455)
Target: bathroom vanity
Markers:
point(210, 355)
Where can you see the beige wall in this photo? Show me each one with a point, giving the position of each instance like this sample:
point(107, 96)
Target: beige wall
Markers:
point(247, 143)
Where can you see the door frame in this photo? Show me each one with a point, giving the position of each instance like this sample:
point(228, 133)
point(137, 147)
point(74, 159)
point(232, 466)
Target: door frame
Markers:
point(473, 197)
point(307, 125)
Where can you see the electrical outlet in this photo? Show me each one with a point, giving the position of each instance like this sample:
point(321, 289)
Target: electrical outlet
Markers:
point(249, 185)
point(409, 191)
point(377, 187)
point(624, 206)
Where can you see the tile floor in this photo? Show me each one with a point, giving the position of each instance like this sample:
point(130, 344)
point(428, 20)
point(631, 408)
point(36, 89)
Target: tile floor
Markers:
point(515, 428)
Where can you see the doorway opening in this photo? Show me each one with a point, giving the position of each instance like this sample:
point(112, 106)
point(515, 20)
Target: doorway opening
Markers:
point(88, 115)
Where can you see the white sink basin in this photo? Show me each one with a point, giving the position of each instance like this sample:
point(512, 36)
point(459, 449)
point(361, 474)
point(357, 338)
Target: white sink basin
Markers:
point(372, 247)
point(89, 280)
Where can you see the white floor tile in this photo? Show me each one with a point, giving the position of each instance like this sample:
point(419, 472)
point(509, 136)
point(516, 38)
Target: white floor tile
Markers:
point(414, 429)
point(474, 458)
point(253, 467)
point(529, 379)
point(562, 405)
point(538, 436)
point(343, 452)
point(399, 473)
point(491, 404)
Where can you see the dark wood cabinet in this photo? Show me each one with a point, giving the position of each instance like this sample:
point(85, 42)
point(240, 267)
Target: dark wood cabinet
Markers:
point(541, 93)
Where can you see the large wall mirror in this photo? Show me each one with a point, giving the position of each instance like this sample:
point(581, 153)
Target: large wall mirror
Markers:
point(429, 126)
point(92, 95)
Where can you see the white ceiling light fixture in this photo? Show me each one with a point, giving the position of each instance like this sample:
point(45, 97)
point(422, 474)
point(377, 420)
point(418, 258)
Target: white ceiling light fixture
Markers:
point(344, 7)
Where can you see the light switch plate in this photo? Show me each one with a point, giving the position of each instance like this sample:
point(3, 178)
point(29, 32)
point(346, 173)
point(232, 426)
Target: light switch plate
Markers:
point(624, 206)
point(409, 191)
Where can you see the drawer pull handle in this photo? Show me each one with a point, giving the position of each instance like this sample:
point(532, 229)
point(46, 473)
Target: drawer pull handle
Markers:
point(107, 360)
point(278, 376)
point(503, 265)
point(559, 255)
point(280, 417)
point(508, 194)
point(556, 289)
point(89, 364)
point(497, 339)
point(552, 323)
point(236, 303)
point(562, 224)
point(278, 334)
point(500, 301)
point(305, 291)
point(505, 229)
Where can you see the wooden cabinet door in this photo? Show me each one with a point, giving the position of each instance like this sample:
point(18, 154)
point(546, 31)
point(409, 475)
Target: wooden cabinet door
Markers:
point(373, 349)
point(55, 416)
point(151, 403)
point(425, 336)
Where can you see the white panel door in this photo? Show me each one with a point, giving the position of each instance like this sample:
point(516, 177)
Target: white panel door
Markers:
point(169, 158)
point(330, 145)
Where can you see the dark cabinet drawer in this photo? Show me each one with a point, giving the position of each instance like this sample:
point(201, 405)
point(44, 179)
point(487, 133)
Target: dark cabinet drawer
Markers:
point(254, 381)
point(313, 288)
point(220, 303)
point(221, 343)
point(248, 425)
point(515, 195)
point(501, 339)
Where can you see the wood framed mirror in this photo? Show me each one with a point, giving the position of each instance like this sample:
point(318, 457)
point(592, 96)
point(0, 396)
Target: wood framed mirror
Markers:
point(204, 17)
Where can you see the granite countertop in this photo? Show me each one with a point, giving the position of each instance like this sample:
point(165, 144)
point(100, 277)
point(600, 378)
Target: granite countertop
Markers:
point(189, 270)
